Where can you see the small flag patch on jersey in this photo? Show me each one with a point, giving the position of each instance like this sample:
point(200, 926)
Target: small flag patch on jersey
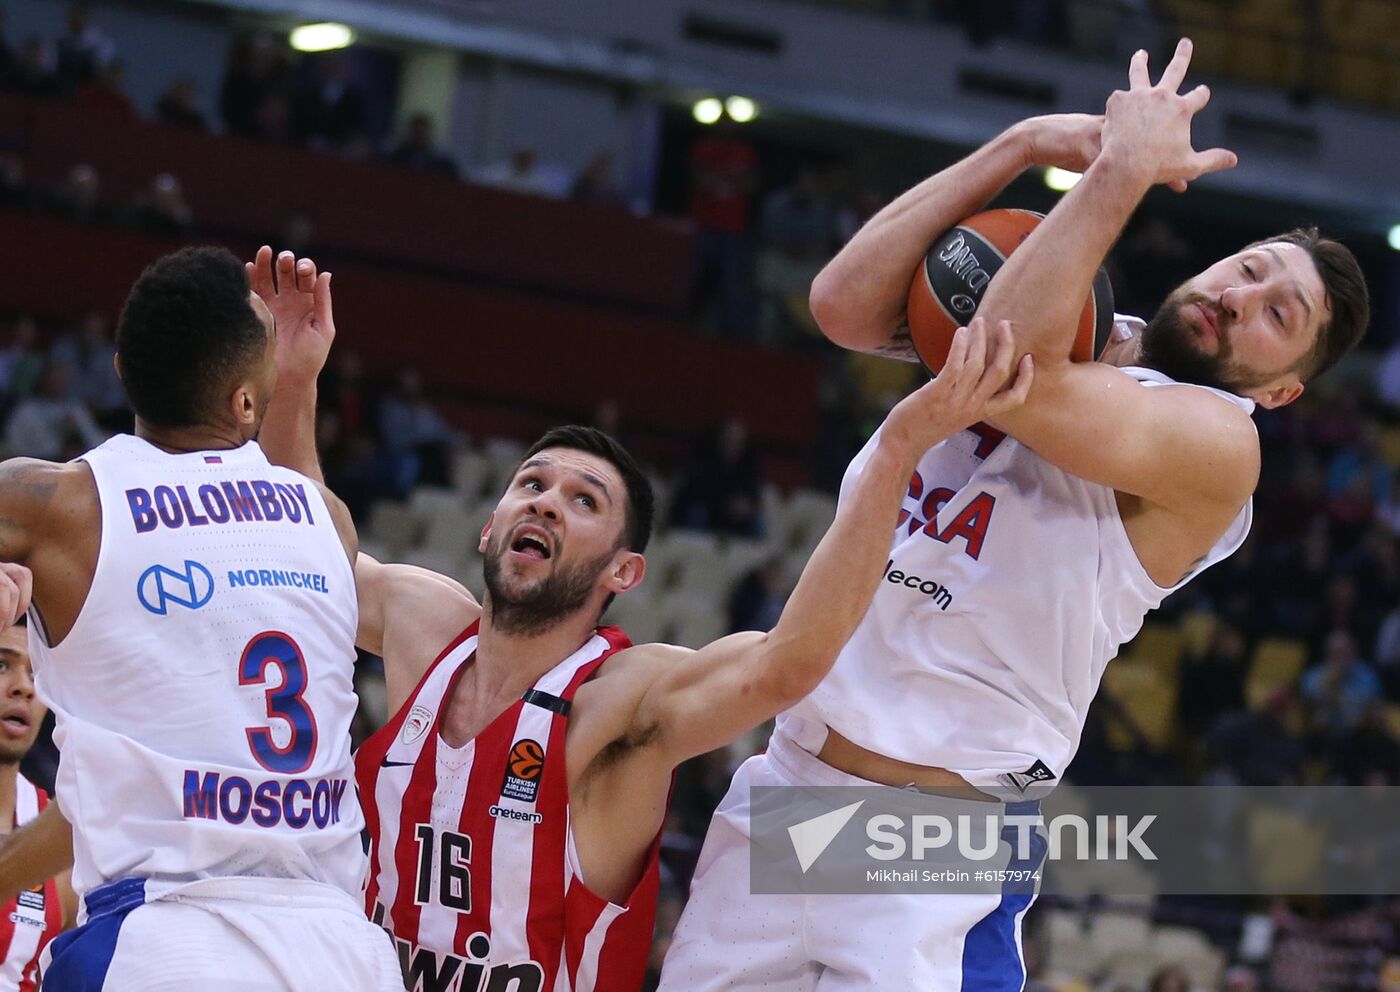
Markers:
point(213, 459)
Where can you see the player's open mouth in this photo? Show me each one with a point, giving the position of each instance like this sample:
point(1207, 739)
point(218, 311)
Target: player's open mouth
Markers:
point(15, 724)
point(531, 543)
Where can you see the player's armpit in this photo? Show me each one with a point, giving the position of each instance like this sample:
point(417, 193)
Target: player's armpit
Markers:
point(407, 616)
point(344, 522)
point(1177, 446)
point(35, 852)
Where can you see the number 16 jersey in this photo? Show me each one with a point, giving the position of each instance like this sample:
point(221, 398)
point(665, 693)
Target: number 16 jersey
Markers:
point(203, 698)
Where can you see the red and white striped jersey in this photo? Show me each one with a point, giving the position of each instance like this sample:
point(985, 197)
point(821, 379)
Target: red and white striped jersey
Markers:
point(35, 916)
point(473, 866)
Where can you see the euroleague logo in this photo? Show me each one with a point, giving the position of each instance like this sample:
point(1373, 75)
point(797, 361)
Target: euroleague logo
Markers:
point(523, 771)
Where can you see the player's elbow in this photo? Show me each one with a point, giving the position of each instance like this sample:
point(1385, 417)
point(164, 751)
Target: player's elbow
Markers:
point(792, 670)
point(829, 300)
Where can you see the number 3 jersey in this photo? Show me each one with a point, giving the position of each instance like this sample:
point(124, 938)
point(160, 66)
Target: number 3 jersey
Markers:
point(1010, 585)
point(203, 698)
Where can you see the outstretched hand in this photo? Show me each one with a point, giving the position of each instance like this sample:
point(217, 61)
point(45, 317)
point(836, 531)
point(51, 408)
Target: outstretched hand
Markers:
point(300, 301)
point(1065, 141)
point(972, 387)
point(1149, 126)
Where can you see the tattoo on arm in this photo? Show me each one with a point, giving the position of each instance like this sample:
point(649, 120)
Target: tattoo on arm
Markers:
point(900, 345)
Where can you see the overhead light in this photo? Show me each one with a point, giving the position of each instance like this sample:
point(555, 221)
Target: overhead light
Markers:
point(321, 37)
point(1393, 238)
point(741, 109)
point(1061, 180)
point(708, 110)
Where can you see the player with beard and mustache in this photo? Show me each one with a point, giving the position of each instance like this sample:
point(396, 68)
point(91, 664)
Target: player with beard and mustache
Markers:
point(514, 801)
point(1116, 482)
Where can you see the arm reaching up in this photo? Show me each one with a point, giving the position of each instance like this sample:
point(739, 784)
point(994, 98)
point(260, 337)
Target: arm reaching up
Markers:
point(300, 301)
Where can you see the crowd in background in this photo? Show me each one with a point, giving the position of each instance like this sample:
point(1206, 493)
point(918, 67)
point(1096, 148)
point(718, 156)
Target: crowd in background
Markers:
point(1322, 567)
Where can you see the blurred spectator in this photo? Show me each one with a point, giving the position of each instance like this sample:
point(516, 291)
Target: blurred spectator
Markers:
point(1256, 747)
point(522, 173)
point(331, 108)
point(161, 208)
point(33, 73)
point(851, 217)
point(87, 355)
point(723, 175)
point(342, 392)
point(719, 488)
point(595, 183)
point(797, 231)
point(1213, 683)
point(272, 121)
point(84, 50)
point(1169, 979)
point(1341, 687)
point(1239, 978)
point(417, 150)
point(179, 105)
point(105, 93)
point(414, 436)
point(21, 362)
point(1367, 754)
point(1155, 259)
point(14, 191)
point(80, 197)
point(51, 424)
point(257, 71)
point(757, 600)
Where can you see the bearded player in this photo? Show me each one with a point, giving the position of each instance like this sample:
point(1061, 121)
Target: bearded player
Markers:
point(1116, 483)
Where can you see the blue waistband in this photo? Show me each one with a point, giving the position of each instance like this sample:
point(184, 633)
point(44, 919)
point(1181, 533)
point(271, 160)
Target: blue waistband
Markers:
point(115, 897)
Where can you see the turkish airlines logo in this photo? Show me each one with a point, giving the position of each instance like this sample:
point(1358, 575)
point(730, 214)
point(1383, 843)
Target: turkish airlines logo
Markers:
point(158, 587)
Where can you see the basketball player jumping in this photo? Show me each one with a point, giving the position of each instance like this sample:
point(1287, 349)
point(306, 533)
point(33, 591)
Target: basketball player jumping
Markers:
point(516, 797)
point(1116, 483)
point(192, 630)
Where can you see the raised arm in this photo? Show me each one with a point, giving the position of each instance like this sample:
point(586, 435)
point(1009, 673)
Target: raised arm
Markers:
point(859, 297)
point(700, 700)
point(300, 300)
point(35, 853)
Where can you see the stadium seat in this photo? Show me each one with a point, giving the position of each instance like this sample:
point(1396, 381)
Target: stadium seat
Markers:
point(1148, 695)
point(1277, 663)
point(393, 529)
point(1159, 645)
point(1197, 628)
point(469, 474)
point(1190, 950)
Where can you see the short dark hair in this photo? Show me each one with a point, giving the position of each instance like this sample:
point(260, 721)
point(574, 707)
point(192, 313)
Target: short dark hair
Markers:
point(1346, 290)
point(186, 333)
point(641, 503)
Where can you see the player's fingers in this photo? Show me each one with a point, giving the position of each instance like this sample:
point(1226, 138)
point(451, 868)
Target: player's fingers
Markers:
point(1197, 99)
point(260, 272)
point(16, 583)
point(1015, 395)
point(306, 275)
point(1213, 160)
point(1175, 71)
point(957, 355)
point(286, 272)
point(976, 349)
point(1137, 70)
point(1002, 356)
point(24, 579)
point(321, 296)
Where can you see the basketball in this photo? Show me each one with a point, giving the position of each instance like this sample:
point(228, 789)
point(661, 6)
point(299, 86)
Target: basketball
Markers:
point(947, 288)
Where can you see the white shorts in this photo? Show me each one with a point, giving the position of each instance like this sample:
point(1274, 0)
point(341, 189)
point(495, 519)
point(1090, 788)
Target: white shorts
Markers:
point(730, 939)
point(222, 935)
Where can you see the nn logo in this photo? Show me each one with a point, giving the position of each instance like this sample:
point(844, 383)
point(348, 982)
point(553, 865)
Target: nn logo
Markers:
point(159, 587)
point(811, 837)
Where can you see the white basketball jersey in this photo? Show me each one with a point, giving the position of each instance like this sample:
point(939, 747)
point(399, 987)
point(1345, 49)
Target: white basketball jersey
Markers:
point(203, 698)
point(1010, 586)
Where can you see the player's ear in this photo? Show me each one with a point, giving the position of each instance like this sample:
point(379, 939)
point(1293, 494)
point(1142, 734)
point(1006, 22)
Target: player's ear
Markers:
point(1272, 399)
point(117, 364)
point(626, 572)
point(486, 533)
point(245, 405)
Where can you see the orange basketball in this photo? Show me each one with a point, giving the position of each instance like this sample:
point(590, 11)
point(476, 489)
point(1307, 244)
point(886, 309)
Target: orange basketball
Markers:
point(526, 760)
point(948, 286)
